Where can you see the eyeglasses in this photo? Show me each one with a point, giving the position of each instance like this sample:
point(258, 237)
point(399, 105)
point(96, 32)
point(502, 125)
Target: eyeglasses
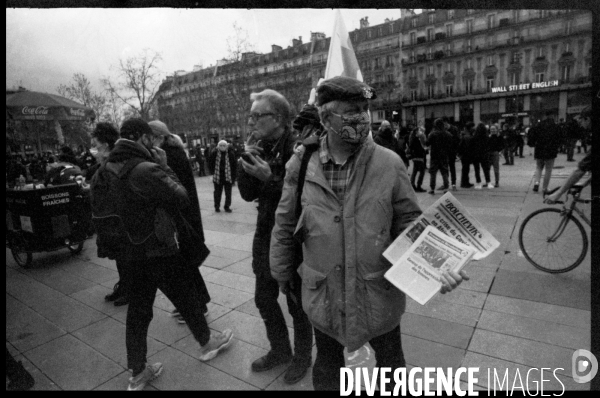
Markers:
point(255, 115)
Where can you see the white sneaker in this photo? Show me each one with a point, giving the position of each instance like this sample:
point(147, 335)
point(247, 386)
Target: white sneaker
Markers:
point(218, 341)
point(478, 186)
point(490, 185)
point(151, 372)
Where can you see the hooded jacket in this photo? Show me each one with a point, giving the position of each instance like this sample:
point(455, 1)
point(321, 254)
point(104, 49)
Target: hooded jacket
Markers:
point(344, 292)
point(150, 186)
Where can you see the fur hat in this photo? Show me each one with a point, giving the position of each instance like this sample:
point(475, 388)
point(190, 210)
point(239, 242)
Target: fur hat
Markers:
point(132, 129)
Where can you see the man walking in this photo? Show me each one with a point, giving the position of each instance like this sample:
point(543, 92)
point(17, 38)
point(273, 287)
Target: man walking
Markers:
point(261, 177)
point(146, 195)
point(440, 143)
point(356, 199)
point(546, 137)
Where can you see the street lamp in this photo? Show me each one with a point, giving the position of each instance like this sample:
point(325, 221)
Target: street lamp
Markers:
point(517, 60)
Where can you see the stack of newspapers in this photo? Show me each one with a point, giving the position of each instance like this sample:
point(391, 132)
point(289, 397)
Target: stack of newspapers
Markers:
point(444, 238)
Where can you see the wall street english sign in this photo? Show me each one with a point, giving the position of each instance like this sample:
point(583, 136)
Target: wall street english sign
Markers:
point(525, 86)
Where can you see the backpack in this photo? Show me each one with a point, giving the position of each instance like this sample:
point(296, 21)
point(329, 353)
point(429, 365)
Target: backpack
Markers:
point(109, 198)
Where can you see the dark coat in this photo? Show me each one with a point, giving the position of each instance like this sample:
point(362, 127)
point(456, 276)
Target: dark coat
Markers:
point(268, 195)
point(496, 143)
point(232, 164)
point(440, 143)
point(479, 146)
point(386, 139)
point(416, 148)
point(466, 148)
point(178, 161)
point(546, 137)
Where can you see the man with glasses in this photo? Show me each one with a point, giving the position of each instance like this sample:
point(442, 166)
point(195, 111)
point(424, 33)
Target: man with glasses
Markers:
point(356, 199)
point(261, 176)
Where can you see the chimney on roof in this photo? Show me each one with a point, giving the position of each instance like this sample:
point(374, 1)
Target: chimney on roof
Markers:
point(297, 42)
point(364, 22)
point(275, 47)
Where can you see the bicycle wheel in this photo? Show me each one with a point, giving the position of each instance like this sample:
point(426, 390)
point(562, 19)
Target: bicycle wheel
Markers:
point(546, 247)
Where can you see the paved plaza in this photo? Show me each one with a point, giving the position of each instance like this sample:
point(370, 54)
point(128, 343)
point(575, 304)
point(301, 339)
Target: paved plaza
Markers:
point(508, 316)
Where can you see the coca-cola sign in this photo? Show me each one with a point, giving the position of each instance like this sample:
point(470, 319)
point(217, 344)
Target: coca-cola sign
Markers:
point(77, 112)
point(35, 110)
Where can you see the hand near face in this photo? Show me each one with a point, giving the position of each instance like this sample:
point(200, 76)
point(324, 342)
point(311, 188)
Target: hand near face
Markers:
point(260, 169)
point(159, 155)
point(451, 280)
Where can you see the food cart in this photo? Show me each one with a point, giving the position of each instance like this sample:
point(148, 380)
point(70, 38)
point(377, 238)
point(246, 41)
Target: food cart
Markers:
point(45, 219)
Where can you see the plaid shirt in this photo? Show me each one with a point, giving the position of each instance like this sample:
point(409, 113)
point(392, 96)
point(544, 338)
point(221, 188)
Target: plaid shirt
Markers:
point(336, 174)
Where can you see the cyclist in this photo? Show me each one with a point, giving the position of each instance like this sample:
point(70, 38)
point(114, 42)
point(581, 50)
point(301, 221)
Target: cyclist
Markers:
point(585, 165)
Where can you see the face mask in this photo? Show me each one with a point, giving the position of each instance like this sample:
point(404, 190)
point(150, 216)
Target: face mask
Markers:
point(355, 129)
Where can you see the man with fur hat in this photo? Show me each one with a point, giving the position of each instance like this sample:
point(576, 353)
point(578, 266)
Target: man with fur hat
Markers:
point(356, 199)
point(144, 192)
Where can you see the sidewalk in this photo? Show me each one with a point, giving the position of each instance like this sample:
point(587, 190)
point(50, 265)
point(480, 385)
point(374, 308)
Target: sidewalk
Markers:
point(508, 316)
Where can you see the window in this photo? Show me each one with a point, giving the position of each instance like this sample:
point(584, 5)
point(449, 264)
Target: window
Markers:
point(491, 21)
point(567, 47)
point(430, 91)
point(412, 56)
point(413, 22)
point(539, 77)
point(413, 72)
point(430, 53)
point(568, 27)
point(431, 18)
point(469, 45)
point(391, 28)
point(468, 86)
point(449, 28)
point(450, 14)
point(413, 38)
point(490, 60)
point(470, 11)
point(369, 34)
point(469, 26)
point(413, 95)
point(380, 31)
point(430, 34)
point(449, 89)
point(516, 15)
point(389, 60)
point(515, 58)
point(448, 48)
point(377, 63)
point(381, 115)
point(489, 83)
point(469, 64)
point(540, 51)
point(430, 69)
point(390, 78)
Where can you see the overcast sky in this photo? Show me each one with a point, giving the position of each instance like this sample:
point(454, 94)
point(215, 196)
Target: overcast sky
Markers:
point(45, 47)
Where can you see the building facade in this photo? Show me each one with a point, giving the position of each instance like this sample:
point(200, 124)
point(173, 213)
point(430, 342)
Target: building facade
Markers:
point(495, 65)
point(212, 103)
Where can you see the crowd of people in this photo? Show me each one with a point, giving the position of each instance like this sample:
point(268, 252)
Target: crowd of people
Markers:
point(321, 180)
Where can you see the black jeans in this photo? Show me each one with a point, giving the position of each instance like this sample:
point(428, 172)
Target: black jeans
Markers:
point(219, 192)
point(485, 165)
point(464, 174)
point(452, 167)
point(169, 275)
point(330, 357)
point(265, 297)
point(434, 166)
point(418, 168)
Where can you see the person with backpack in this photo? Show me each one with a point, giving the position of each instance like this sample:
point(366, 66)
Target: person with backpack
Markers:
point(136, 199)
point(260, 176)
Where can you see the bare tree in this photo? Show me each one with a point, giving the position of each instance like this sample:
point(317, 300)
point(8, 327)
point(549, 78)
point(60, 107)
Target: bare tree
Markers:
point(80, 90)
point(137, 81)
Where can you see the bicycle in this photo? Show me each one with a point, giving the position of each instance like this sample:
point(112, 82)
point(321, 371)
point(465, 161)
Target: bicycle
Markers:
point(554, 240)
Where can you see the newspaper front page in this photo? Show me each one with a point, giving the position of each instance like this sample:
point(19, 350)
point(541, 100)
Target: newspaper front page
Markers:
point(418, 271)
point(448, 215)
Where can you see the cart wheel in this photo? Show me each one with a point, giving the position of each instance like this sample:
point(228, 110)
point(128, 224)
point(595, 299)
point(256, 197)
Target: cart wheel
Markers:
point(76, 248)
point(22, 258)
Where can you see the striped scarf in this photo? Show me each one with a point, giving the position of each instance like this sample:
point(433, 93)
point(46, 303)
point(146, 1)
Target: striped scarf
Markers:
point(217, 175)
